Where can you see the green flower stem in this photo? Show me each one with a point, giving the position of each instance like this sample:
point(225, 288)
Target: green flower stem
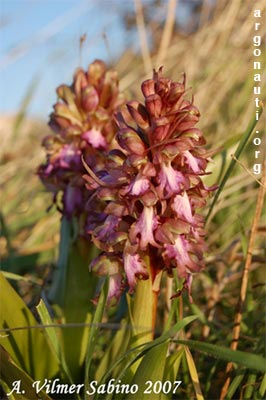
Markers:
point(144, 309)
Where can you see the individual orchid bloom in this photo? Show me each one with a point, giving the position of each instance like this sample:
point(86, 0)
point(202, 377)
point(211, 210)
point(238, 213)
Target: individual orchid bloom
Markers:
point(171, 181)
point(151, 191)
point(140, 185)
point(83, 127)
point(142, 231)
point(134, 266)
point(110, 266)
point(180, 253)
point(182, 207)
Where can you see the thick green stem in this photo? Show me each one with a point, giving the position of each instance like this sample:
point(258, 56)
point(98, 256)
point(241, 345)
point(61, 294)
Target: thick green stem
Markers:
point(144, 309)
point(145, 306)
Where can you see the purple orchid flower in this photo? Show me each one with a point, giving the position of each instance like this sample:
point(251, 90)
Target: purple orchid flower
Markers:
point(151, 190)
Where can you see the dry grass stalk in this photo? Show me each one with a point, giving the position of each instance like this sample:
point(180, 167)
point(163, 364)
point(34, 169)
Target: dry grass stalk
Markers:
point(244, 283)
point(167, 32)
point(143, 37)
point(246, 169)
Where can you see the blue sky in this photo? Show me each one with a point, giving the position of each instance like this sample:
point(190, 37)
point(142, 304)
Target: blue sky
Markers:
point(40, 41)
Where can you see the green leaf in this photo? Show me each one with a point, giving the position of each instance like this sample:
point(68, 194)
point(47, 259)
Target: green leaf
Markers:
point(232, 164)
point(16, 277)
point(97, 319)
point(54, 339)
point(72, 290)
point(150, 369)
point(79, 290)
point(262, 389)
point(248, 360)
point(234, 385)
point(171, 315)
point(57, 290)
point(25, 345)
point(201, 316)
point(250, 386)
point(51, 332)
point(11, 373)
point(136, 353)
point(172, 366)
point(116, 349)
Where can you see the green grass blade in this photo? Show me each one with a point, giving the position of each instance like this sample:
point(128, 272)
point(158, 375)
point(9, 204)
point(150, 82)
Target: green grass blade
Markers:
point(171, 315)
point(94, 329)
point(172, 366)
point(232, 164)
point(16, 277)
point(50, 332)
point(234, 386)
point(115, 350)
point(54, 340)
point(134, 354)
point(262, 389)
point(250, 386)
point(248, 360)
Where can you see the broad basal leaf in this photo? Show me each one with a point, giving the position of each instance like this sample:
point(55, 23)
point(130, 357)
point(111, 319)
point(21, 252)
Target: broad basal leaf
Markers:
point(26, 343)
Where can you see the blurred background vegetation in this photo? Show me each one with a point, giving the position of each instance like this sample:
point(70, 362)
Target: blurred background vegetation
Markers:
point(212, 42)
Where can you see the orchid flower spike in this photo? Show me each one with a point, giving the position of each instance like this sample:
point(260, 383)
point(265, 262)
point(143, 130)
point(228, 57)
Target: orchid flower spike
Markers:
point(83, 126)
point(150, 191)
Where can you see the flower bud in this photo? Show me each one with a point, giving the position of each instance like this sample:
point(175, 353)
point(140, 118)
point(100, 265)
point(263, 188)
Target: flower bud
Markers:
point(139, 114)
point(148, 87)
point(154, 105)
point(130, 141)
point(89, 98)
